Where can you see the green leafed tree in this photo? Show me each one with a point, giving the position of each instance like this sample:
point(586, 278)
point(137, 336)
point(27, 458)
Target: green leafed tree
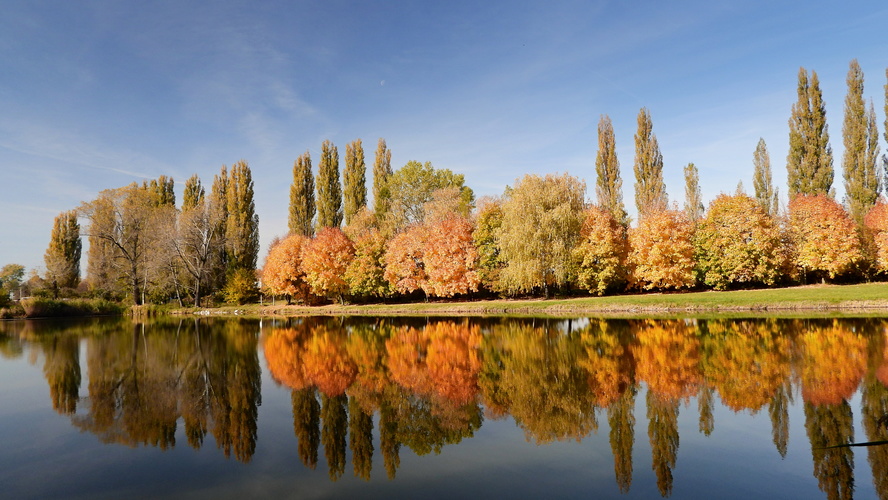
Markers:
point(861, 142)
point(194, 193)
point(765, 192)
point(650, 190)
point(609, 186)
point(693, 197)
point(62, 258)
point(329, 198)
point(412, 186)
point(382, 169)
point(354, 182)
point(542, 217)
point(242, 223)
point(809, 164)
point(302, 197)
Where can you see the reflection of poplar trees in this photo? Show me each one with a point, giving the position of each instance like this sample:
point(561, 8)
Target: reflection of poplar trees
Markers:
point(333, 430)
point(62, 371)
point(778, 409)
point(662, 416)
point(704, 404)
point(875, 407)
point(388, 439)
point(238, 395)
point(831, 425)
point(621, 418)
point(360, 432)
point(306, 424)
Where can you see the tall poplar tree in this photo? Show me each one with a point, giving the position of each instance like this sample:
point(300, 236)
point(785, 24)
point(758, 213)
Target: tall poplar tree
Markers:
point(329, 199)
point(219, 199)
point(809, 164)
point(354, 180)
point(194, 193)
point(650, 190)
point(62, 258)
point(609, 186)
point(765, 192)
point(242, 224)
point(861, 152)
point(302, 197)
point(382, 170)
point(162, 190)
point(693, 198)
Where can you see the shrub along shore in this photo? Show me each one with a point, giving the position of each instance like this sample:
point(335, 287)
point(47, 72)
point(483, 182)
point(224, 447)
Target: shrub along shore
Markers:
point(867, 298)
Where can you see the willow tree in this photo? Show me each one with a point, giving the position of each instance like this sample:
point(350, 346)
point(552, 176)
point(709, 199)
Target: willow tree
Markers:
point(609, 186)
point(62, 258)
point(382, 169)
point(302, 197)
point(693, 198)
point(650, 190)
point(242, 222)
point(542, 217)
point(809, 164)
point(765, 191)
point(354, 182)
point(861, 141)
point(329, 197)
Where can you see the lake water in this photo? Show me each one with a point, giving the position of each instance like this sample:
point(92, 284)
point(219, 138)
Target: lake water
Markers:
point(443, 408)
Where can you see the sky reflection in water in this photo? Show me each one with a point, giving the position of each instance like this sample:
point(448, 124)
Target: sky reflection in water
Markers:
point(319, 407)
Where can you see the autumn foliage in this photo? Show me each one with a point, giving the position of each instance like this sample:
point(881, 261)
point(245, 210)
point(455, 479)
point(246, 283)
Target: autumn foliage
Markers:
point(738, 242)
point(824, 236)
point(325, 260)
point(602, 252)
point(283, 274)
point(662, 254)
point(876, 223)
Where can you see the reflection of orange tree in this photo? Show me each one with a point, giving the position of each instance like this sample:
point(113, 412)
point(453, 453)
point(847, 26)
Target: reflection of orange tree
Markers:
point(747, 362)
point(327, 363)
point(443, 359)
point(667, 357)
point(284, 350)
point(547, 390)
point(833, 362)
point(366, 347)
point(608, 362)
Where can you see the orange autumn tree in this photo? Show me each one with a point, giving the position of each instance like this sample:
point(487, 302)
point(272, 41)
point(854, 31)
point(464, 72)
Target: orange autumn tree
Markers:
point(450, 257)
point(282, 274)
point(662, 251)
point(738, 242)
point(404, 266)
point(824, 236)
point(325, 260)
point(602, 252)
point(876, 224)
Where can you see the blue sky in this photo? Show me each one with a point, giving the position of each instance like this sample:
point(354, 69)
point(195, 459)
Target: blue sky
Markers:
point(96, 95)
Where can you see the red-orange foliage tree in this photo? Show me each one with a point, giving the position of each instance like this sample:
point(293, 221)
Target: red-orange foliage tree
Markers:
point(450, 258)
point(404, 266)
point(824, 236)
point(283, 274)
point(325, 260)
point(662, 251)
point(876, 223)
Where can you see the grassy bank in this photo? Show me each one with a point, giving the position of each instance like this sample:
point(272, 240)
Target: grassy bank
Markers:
point(50, 308)
point(870, 298)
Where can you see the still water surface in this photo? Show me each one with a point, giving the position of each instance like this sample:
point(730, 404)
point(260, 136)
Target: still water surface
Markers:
point(443, 408)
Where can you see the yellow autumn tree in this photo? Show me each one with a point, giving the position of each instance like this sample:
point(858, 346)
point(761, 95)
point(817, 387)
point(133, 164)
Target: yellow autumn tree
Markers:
point(661, 252)
point(602, 252)
point(824, 236)
point(876, 224)
point(738, 242)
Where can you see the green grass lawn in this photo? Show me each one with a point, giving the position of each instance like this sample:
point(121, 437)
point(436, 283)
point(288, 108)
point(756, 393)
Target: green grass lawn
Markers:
point(869, 298)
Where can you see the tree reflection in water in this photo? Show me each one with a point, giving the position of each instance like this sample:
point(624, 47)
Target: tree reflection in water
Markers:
point(430, 383)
